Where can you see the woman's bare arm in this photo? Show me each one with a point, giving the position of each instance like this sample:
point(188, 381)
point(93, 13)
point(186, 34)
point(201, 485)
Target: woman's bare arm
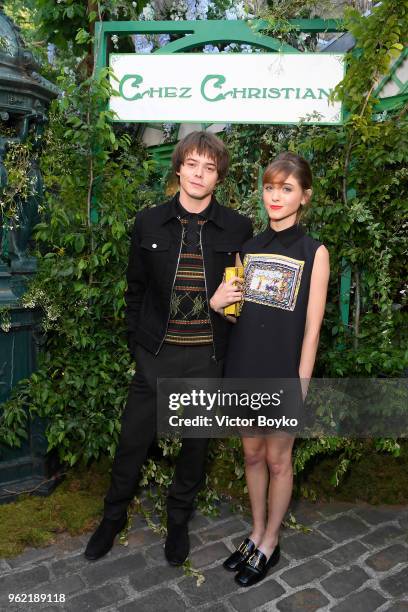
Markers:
point(315, 311)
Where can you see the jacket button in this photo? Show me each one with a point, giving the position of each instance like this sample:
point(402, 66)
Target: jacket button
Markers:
point(154, 245)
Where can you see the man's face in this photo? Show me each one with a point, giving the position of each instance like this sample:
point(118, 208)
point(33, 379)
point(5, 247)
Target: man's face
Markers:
point(198, 176)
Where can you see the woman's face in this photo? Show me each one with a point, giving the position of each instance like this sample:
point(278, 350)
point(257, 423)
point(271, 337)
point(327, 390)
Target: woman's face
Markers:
point(283, 197)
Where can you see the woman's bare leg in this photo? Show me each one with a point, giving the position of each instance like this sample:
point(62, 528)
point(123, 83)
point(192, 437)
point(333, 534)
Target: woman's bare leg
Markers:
point(279, 462)
point(256, 473)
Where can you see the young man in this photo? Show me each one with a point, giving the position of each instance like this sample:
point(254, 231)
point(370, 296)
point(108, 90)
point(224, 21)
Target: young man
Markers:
point(178, 254)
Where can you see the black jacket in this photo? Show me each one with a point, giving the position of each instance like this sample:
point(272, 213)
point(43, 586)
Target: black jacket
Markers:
point(153, 261)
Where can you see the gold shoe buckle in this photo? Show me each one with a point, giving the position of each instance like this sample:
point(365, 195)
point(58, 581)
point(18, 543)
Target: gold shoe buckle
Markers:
point(254, 561)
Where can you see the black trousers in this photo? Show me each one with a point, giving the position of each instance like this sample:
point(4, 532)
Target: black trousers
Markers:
point(139, 431)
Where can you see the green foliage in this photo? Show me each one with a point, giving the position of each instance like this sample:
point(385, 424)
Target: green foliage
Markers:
point(20, 184)
point(60, 22)
point(279, 12)
point(81, 384)
point(380, 39)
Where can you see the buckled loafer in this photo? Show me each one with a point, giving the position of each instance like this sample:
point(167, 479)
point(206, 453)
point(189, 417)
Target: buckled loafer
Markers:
point(177, 544)
point(257, 567)
point(239, 557)
point(102, 539)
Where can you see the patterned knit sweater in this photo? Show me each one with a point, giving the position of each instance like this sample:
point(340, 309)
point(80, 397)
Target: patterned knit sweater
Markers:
point(189, 322)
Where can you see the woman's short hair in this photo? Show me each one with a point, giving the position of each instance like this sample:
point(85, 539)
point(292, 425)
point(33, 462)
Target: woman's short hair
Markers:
point(284, 165)
point(204, 143)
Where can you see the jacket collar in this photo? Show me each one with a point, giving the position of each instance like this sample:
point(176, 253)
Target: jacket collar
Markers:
point(204, 214)
point(214, 212)
point(286, 237)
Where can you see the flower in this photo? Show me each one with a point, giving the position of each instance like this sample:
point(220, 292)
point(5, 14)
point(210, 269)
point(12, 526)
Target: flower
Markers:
point(163, 39)
point(210, 49)
point(148, 13)
point(142, 44)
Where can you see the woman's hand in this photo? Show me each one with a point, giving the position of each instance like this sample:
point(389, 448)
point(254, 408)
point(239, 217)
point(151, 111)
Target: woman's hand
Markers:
point(227, 294)
point(304, 383)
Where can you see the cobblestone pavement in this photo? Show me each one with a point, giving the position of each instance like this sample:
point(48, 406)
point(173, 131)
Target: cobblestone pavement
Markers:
point(355, 559)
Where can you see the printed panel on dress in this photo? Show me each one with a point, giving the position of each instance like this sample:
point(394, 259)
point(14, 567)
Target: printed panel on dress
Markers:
point(272, 279)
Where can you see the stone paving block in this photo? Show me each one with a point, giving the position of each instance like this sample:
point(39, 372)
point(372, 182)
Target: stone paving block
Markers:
point(155, 553)
point(71, 565)
point(249, 599)
point(287, 532)
point(66, 544)
point(304, 573)
point(332, 508)
point(346, 554)
point(398, 606)
point(162, 600)
point(208, 554)
point(301, 545)
point(301, 601)
point(403, 521)
point(32, 556)
point(387, 558)
point(64, 586)
point(96, 599)
point(218, 583)
point(343, 528)
point(138, 522)
point(376, 515)
point(119, 550)
point(198, 522)
point(23, 581)
point(305, 512)
point(367, 600)
point(222, 530)
point(142, 537)
point(238, 539)
point(147, 578)
point(117, 568)
point(382, 535)
point(345, 581)
point(224, 510)
point(397, 584)
point(213, 607)
point(4, 567)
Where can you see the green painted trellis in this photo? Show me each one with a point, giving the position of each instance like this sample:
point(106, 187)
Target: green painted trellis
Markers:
point(197, 33)
point(193, 34)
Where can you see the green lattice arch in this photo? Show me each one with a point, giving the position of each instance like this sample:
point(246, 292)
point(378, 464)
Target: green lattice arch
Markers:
point(199, 33)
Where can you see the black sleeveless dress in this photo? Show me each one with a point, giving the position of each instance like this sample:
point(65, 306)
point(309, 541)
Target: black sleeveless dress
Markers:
point(266, 341)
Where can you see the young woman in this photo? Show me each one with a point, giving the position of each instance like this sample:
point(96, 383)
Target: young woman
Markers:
point(276, 336)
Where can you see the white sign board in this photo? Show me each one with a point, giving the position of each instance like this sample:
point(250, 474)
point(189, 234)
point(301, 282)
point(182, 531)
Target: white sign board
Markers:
point(226, 88)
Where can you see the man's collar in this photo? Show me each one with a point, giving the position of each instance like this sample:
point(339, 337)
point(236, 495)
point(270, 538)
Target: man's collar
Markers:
point(286, 237)
point(214, 212)
point(204, 214)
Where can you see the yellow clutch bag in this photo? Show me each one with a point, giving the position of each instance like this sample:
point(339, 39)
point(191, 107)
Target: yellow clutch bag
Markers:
point(230, 272)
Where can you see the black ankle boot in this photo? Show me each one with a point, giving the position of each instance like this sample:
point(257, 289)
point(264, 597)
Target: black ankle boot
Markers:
point(102, 539)
point(177, 544)
point(237, 560)
point(257, 567)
